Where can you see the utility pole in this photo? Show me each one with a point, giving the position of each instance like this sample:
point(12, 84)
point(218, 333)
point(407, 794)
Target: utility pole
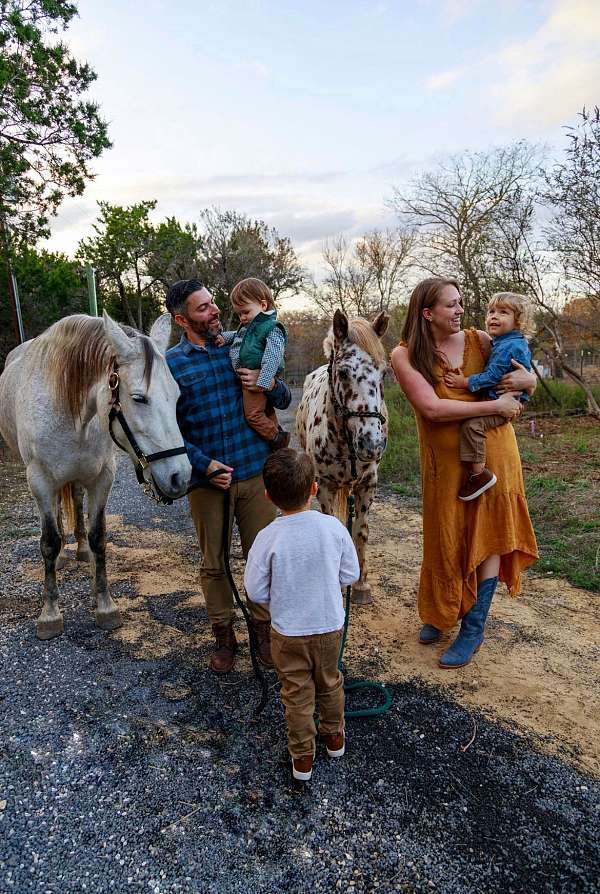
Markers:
point(11, 283)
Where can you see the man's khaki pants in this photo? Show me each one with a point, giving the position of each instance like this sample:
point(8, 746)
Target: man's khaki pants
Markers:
point(307, 668)
point(252, 511)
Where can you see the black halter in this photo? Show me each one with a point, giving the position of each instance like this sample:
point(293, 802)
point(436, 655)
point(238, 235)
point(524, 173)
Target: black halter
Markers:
point(143, 459)
point(345, 413)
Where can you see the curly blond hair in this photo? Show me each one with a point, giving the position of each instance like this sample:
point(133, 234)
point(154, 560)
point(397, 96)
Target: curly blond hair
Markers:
point(522, 308)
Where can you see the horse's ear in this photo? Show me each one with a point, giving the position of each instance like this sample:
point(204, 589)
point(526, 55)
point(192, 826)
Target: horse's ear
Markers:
point(380, 323)
point(124, 347)
point(161, 332)
point(340, 325)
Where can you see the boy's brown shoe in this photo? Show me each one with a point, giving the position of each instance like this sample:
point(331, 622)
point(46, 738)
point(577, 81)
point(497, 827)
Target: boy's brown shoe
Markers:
point(221, 661)
point(475, 485)
point(335, 743)
point(263, 642)
point(302, 767)
point(281, 439)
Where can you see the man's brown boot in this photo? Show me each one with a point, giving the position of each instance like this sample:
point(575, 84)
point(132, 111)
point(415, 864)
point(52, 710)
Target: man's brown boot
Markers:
point(263, 642)
point(221, 661)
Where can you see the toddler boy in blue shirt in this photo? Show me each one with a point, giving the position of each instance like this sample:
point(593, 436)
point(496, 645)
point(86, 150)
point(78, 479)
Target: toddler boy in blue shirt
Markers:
point(509, 323)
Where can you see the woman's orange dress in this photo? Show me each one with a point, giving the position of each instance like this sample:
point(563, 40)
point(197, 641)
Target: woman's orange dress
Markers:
point(458, 536)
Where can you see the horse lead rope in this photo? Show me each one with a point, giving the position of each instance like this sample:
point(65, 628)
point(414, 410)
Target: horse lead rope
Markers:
point(345, 413)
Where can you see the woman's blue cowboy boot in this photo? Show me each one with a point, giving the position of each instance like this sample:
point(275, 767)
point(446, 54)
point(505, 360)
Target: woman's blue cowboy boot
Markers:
point(470, 636)
point(429, 634)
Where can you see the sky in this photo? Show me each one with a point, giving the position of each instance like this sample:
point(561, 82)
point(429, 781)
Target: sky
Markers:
point(307, 114)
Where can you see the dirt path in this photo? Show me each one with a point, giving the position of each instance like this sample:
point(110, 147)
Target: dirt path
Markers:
point(538, 670)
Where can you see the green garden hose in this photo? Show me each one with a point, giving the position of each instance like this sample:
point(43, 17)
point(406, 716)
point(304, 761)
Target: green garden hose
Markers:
point(360, 684)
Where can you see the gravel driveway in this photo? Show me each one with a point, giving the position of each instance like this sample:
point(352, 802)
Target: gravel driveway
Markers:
point(124, 774)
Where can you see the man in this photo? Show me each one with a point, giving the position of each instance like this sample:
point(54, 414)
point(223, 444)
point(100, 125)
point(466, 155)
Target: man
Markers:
point(217, 437)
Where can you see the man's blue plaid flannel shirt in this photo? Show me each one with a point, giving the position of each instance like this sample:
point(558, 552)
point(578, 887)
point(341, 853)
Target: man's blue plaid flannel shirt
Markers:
point(210, 411)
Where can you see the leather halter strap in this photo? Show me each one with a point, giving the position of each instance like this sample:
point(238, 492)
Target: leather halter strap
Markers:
point(143, 459)
point(345, 413)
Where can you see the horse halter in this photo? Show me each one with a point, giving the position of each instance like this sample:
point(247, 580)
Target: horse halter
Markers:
point(143, 459)
point(345, 413)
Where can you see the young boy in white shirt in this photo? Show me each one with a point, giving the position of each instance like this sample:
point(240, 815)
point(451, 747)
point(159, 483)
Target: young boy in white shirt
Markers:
point(297, 566)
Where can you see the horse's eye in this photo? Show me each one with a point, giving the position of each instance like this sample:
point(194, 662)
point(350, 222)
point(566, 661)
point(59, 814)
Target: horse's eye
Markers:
point(343, 373)
point(140, 398)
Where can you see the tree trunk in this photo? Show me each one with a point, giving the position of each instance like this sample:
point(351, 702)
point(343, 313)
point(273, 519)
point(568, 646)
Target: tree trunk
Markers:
point(125, 303)
point(592, 404)
point(543, 384)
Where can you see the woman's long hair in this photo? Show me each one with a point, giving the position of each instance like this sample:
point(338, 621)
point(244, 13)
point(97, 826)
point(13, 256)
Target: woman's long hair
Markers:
point(416, 332)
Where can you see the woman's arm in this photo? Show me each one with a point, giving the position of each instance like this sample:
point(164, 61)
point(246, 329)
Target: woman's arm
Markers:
point(435, 409)
point(520, 379)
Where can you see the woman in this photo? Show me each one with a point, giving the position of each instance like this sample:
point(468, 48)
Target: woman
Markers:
point(467, 547)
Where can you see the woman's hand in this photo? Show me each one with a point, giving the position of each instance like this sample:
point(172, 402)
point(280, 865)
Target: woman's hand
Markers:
point(518, 380)
point(508, 405)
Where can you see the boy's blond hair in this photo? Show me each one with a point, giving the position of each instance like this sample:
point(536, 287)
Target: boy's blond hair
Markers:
point(251, 291)
point(522, 308)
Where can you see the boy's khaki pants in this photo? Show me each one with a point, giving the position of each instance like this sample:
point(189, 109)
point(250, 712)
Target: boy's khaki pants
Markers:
point(260, 414)
point(307, 668)
point(253, 512)
point(472, 436)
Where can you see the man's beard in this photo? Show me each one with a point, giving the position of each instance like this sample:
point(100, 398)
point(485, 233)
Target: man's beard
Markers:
point(205, 330)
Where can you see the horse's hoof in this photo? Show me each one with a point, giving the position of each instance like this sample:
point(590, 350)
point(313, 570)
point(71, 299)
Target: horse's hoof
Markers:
point(109, 620)
point(361, 597)
point(49, 629)
point(83, 555)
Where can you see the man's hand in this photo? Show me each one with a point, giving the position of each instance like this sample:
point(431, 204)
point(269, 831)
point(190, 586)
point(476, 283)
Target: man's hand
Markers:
point(455, 379)
point(518, 380)
point(222, 481)
point(248, 379)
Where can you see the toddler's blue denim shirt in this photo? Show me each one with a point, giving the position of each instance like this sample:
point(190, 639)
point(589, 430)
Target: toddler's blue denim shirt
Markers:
point(511, 346)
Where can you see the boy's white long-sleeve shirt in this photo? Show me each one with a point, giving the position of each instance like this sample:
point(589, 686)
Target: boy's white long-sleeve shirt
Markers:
point(297, 566)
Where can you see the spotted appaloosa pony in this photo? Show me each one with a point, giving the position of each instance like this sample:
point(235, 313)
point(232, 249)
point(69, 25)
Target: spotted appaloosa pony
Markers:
point(57, 396)
point(342, 423)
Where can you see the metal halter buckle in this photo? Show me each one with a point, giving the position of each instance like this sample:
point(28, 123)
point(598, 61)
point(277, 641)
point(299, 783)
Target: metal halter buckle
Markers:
point(113, 380)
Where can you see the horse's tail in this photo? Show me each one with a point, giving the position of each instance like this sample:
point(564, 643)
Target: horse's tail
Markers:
point(340, 504)
point(67, 498)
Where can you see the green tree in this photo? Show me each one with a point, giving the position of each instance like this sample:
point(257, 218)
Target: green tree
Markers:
point(120, 253)
point(48, 134)
point(175, 253)
point(50, 286)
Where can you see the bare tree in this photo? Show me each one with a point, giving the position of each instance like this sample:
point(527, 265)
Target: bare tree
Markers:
point(573, 192)
point(367, 278)
point(525, 266)
point(458, 208)
point(232, 247)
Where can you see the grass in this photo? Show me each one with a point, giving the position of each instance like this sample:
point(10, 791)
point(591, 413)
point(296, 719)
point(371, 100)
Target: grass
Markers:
point(561, 464)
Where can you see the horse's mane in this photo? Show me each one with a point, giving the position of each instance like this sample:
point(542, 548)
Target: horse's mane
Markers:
point(362, 334)
point(75, 352)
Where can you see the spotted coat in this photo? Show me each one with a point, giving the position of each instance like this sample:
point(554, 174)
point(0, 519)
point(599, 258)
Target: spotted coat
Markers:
point(357, 371)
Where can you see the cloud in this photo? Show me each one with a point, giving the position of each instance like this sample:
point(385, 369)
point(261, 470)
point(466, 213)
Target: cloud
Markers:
point(551, 75)
point(446, 78)
point(455, 10)
point(310, 208)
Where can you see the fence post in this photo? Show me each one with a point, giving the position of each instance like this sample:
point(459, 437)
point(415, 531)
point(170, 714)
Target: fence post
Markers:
point(17, 305)
point(91, 284)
